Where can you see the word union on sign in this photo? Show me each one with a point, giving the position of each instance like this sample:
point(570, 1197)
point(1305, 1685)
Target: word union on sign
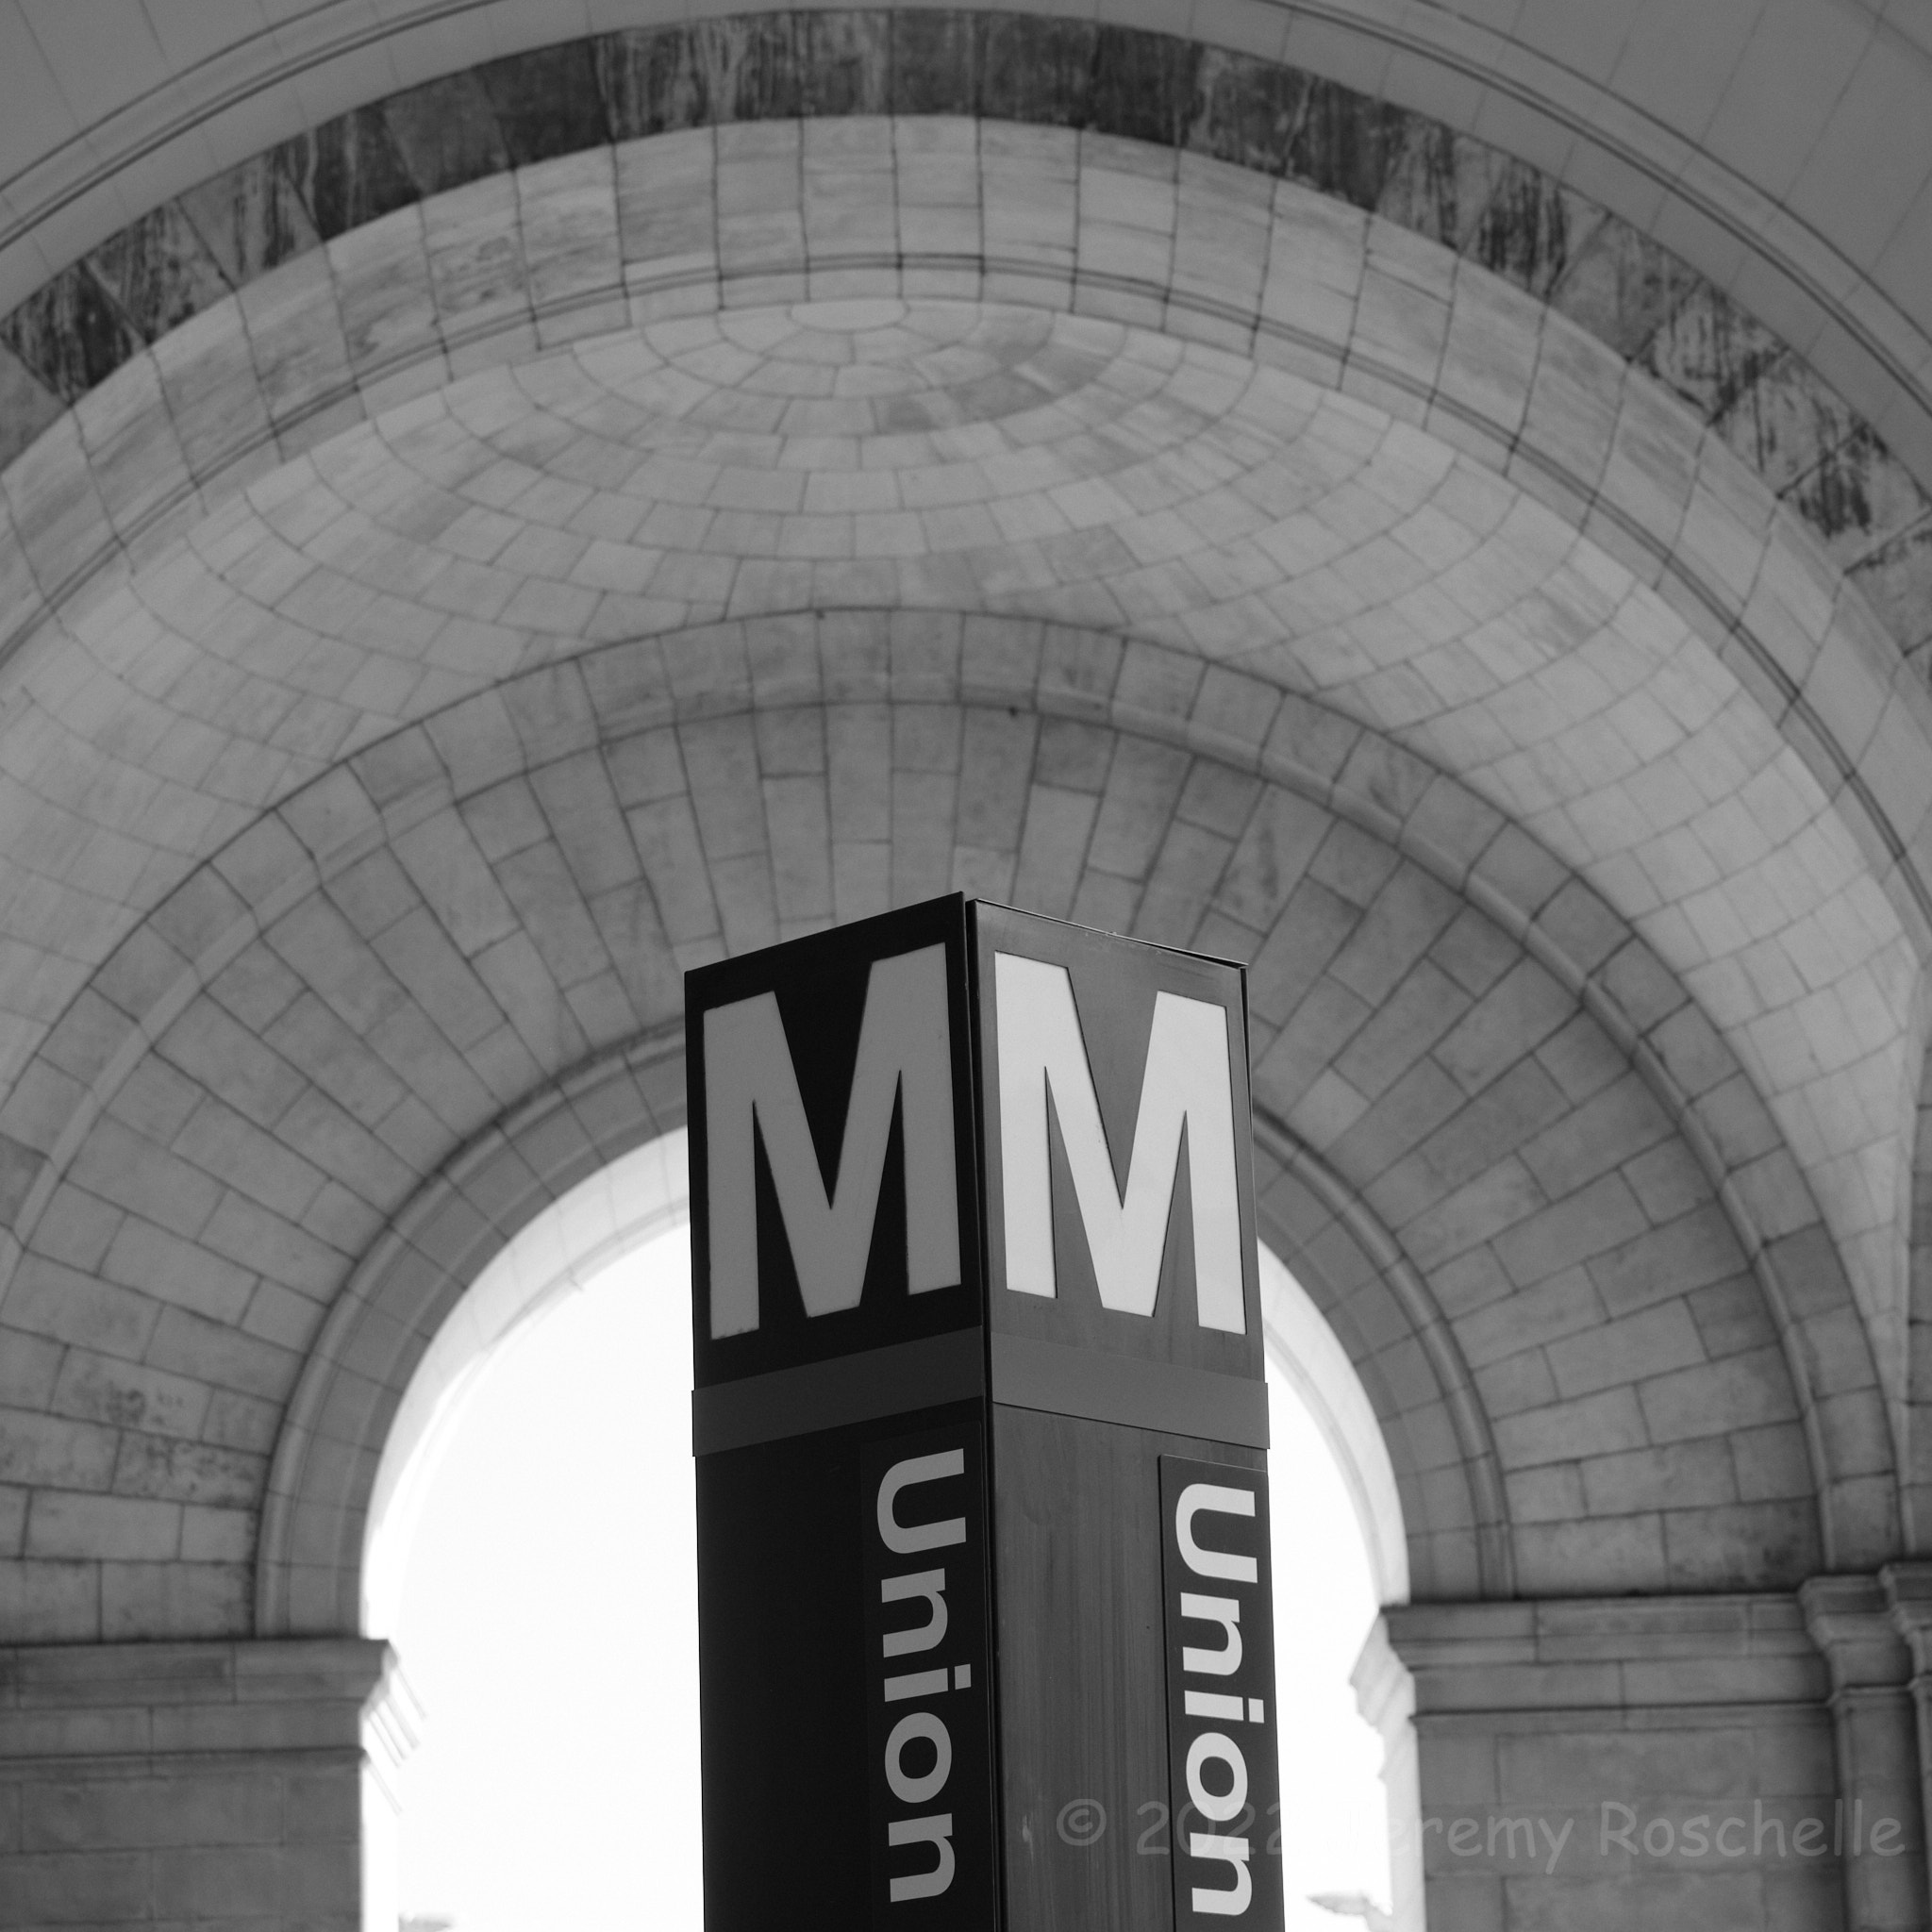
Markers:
point(930, 1690)
point(1223, 1770)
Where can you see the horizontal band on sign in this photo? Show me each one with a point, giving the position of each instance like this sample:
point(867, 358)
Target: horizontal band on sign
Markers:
point(844, 1388)
point(1105, 1388)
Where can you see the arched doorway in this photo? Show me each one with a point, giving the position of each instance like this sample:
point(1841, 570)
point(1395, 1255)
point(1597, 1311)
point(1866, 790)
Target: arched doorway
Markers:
point(544, 1431)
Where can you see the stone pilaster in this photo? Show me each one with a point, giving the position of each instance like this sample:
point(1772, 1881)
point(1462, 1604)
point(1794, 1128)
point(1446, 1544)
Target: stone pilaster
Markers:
point(1385, 1694)
point(1666, 1762)
point(147, 1784)
point(1909, 1589)
point(1876, 1734)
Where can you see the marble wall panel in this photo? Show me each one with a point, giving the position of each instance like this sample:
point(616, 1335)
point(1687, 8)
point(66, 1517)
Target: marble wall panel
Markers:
point(935, 63)
point(1246, 111)
point(347, 172)
point(548, 103)
point(251, 218)
point(26, 407)
point(69, 336)
point(157, 272)
point(446, 132)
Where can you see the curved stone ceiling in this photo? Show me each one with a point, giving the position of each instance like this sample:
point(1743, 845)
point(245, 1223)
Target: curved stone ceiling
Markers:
point(1776, 148)
point(1617, 270)
point(429, 990)
point(957, 456)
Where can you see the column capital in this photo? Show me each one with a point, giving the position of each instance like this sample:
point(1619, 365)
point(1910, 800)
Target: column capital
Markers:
point(1607, 1653)
point(1850, 1620)
point(188, 1783)
point(1615, 1722)
point(1909, 1591)
point(1384, 1692)
point(141, 1699)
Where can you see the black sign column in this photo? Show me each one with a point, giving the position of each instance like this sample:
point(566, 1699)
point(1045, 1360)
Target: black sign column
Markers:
point(980, 1415)
point(1124, 1330)
point(840, 1426)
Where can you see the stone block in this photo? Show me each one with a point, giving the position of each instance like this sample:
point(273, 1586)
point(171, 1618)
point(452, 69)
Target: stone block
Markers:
point(201, 1812)
point(1552, 1493)
point(207, 378)
point(65, 1305)
point(1507, 1117)
point(1263, 881)
point(996, 754)
point(196, 1883)
point(218, 1535)
point(1690, 1252)
point(1607, 1423)
point(1597, 1553)
point(297, 333)
point(1513, 1017)
point(74, 1889)
point(29, 1365)
point(131, 445)
point(187, 1342)
point(1530, 1319)
point(1475, 953)
point(1611, 1128)
point(1741, 1391)
point(1057, 825)
point(568, 213)
point(1756, 1545)
point(1399, 926)
point(58, 516)
point(1404, 1114)
point(1490, 351)
point(323, 1807)
point(1142, 788)
point(62, 1524)
point(1574, 404)
point(1732, 1315)
point(99, 1814)
point(1689, 1475)
point(97, 1389)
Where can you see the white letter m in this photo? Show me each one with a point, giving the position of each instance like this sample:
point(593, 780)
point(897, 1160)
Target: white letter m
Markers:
point(905, 1053)
point(1185, 1086)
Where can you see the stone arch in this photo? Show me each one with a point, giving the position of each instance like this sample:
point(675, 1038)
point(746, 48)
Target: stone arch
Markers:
point(1622, 143)
point(153, 725)
point(601, 1144)
point(1353, 1270)
point(344, 1416)
point(402, 303)
point(1916, 1449)
point(349, 957)
point(1857, 816)
point(1735, 562)
point(1303, 1349)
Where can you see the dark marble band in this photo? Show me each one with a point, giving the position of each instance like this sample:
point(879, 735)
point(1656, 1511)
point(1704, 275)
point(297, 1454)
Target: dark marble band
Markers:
point(1169, 1397)
point(1753, 391)
point(831, 1394)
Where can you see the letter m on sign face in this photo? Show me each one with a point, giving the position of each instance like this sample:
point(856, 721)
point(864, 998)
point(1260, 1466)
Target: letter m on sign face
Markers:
point(1117, 1152)
point(831, 1143)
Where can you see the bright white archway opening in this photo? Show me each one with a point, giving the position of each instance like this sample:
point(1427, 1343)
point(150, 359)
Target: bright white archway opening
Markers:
point(1303, 1354)
point(531, 1553)
point(642, 1195)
